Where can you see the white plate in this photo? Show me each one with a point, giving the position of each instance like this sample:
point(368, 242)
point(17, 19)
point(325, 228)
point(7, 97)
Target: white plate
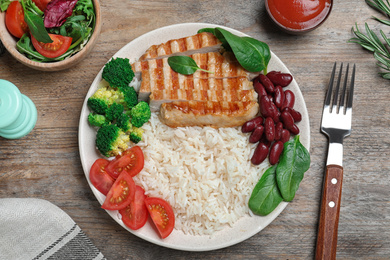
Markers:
point(245, 227)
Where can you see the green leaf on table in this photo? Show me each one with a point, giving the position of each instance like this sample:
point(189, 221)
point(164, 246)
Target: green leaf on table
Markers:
point(293, 163)
point(265, 196)
point(184, 65)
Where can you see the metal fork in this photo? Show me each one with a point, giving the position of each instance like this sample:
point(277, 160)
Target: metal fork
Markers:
point(336, 124)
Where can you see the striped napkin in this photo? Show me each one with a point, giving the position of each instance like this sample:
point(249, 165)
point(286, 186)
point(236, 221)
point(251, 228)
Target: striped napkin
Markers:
point(37, 229)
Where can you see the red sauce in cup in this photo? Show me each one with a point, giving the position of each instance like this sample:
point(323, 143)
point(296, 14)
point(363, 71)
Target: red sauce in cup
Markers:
point(298, 15)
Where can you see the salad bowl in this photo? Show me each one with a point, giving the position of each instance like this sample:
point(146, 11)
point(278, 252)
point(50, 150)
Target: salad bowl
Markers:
point(9, 42)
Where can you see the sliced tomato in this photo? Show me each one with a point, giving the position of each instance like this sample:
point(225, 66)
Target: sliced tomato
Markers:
point(14, 19)
point(99, 176)
point(41, 4)
point(162, 215)
point(121, 193)
point(132, 161)
point(54, 49)
point(136, 214)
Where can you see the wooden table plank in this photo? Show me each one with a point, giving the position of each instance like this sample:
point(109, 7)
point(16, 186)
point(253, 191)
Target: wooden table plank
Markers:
point(46, 163)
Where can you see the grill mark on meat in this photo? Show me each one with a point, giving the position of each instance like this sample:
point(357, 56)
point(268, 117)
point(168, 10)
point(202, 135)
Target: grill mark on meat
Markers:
point(223, 98)
point(201, 42)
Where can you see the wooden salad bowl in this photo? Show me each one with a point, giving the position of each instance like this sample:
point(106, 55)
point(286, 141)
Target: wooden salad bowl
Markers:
point(10, 41)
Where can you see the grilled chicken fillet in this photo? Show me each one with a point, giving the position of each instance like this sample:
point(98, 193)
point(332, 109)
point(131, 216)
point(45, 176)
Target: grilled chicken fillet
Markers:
point(208, 113)
point(157, 74)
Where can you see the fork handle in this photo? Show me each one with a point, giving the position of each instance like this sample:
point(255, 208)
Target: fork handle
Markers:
point(329, 213)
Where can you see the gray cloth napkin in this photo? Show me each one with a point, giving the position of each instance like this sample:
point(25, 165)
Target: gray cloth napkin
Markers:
point(37, 229)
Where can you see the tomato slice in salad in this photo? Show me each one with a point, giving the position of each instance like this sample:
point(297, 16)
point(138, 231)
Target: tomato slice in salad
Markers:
point(121, 193)
point(99, 176)
point(162, 215)
point(135, 214)
point(54, 49)
point(132, 161)
point(41, 4)
point(14, 19)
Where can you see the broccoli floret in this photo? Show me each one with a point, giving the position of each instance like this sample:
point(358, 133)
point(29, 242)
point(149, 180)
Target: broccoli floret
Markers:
point(97, 120)
point(129, 98)
point(136, 134)
point(114, 111)
point(102, 99)
point(111, 140)
point(123, 122)
point(118, 72)
point(140, 114)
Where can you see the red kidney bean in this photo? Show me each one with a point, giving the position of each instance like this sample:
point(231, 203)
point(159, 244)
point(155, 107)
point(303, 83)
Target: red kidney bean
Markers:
point(285, 136)
point(268, 85)
point(294, 129)
point(269, 109)
point(266, 108)
point(265, 141)
point(279, 96)
point(289, 99)
point(278, 130)
point(271, 98)
point(250, 125)
point(279, 78)
point(275, 152)
point(287, 119)
point(269, 129)
point(295, 114)
point(260, 153)
point(259, 88)
point(256, 134)
point(276, 118)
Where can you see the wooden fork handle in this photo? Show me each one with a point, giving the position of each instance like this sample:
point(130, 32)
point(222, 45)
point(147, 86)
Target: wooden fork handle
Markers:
point(329, 213)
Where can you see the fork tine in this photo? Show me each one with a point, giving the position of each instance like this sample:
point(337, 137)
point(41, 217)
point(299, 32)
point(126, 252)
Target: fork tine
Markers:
point(330, 88)
point(336, 92)
point(342, 98)
point(350, 96)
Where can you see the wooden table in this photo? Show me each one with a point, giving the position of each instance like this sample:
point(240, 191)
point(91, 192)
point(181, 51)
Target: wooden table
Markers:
point(46, 164)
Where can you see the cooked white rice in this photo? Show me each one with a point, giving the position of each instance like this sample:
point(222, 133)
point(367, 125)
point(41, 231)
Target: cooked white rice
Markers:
point(204, 173)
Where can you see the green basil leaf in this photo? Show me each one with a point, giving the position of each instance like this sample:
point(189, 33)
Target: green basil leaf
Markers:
point(210, 30)
point(225, 45)
point(184, 65)
point(263, 50)
point(32, 7)
point(246, 54)
point(4, 5)
point(265, 196)
point(37, 29)
point(293, 163)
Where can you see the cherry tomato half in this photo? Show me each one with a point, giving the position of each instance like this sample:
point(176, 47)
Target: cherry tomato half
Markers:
point(54, 49)
point(135, 215)
point(121, 193)
point(162, 215)
point(41, 4)
point(14, 19)
point(131, 161)
point(99, 176)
